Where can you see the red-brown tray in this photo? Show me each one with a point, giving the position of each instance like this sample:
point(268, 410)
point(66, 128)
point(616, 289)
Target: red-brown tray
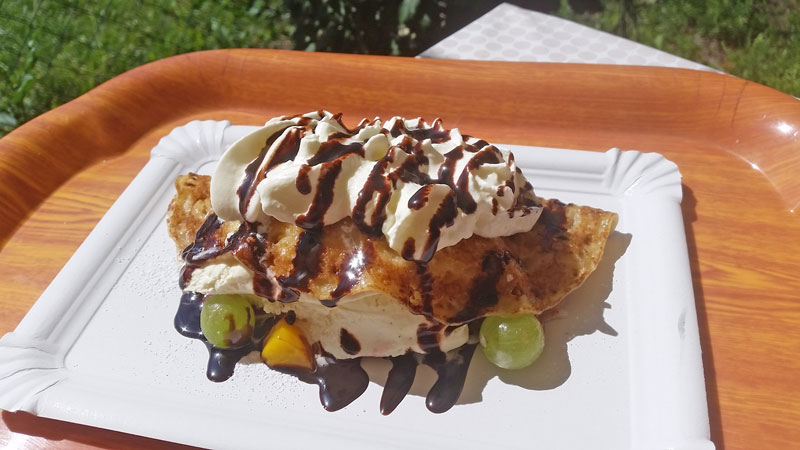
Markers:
point(737, 144)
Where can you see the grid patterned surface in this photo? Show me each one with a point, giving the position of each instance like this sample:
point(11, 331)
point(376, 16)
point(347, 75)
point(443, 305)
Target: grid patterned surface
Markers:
point(510, 33)
point(54, 50)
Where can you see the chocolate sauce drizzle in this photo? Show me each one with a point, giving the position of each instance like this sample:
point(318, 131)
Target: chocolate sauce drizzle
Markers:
point(303, 183)
point(380, 182)
point(342, 381)
point(444, 216)
point(376, 184)
point(305, 265)
point(350, 272)
point(323, 198)
point(285, 152)
point(349, 343)
point(487, 155)
point(554, 220)
point(401, 377)
point(451, 370)
point(206, 244)
point(436, 133)
point(420, 198)
point(334, 148)
point(483, 293)
point(340, 145)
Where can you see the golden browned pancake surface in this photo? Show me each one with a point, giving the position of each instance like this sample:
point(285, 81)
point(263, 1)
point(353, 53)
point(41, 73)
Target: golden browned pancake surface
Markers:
point(527, 272)
point(189, 208)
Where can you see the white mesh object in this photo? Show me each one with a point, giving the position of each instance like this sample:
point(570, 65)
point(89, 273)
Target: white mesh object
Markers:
point(511, 33)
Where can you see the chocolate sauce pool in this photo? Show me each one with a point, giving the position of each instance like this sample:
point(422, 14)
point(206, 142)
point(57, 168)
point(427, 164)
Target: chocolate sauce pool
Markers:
point(451, 370)
point(221, 361)
point(342, 381)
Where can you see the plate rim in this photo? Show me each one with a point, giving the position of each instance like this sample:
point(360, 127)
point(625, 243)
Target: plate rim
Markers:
point(32, 357)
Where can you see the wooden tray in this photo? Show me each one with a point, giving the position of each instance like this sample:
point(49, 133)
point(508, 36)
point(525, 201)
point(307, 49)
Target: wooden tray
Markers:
point(737, 144)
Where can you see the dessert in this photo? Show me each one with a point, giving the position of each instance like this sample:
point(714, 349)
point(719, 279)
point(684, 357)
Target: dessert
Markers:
point(317, 245)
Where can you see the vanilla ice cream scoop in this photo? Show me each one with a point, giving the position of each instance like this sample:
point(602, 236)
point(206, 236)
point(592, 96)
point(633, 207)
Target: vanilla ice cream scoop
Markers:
point(378, 323)
point(417, 184)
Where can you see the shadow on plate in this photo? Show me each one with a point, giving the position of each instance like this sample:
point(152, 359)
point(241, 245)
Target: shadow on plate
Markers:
point(580, 314)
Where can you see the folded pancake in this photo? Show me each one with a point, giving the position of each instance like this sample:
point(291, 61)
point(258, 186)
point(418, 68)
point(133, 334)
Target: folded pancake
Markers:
point(527, 272)
point(392, 239)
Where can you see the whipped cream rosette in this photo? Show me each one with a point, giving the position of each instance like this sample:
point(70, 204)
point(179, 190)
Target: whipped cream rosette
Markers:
point(419, 185)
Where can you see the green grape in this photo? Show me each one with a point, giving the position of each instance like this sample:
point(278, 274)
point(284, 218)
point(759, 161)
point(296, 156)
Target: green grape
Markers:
point(227, 320)
point(512, 342)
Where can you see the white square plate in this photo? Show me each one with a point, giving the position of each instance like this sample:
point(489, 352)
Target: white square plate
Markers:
point(621, 368)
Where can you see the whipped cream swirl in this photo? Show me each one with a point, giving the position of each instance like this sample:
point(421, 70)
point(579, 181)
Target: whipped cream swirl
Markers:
point(417, 184)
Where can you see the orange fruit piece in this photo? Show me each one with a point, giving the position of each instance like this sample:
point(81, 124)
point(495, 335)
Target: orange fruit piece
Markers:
point(286, 346)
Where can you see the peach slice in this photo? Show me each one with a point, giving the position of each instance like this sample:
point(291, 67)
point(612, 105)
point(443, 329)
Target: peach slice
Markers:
point(286, 346)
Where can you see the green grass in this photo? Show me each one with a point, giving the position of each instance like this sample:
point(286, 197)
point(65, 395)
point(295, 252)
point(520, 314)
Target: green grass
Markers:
point(51, 51)
point(754, 39)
